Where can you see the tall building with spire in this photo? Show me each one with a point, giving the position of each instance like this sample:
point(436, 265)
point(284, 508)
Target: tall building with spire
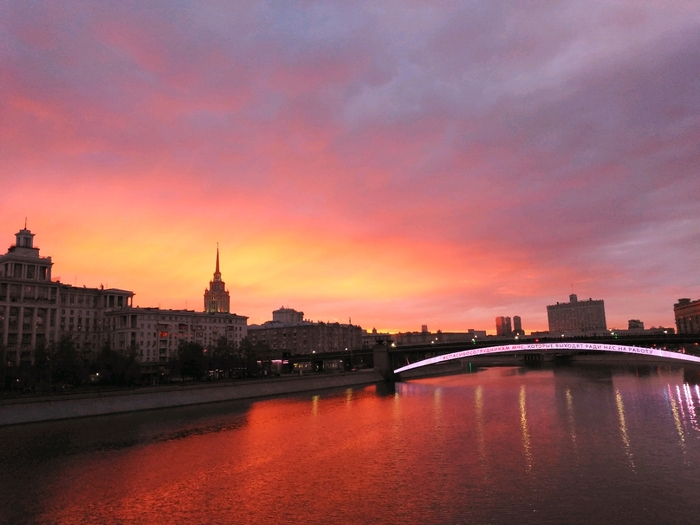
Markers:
point(216, 297)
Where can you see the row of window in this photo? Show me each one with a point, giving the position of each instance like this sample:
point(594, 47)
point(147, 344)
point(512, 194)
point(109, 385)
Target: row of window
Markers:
point(93, 301)
point(26, 271)
point(16, 292)
point(185, 319)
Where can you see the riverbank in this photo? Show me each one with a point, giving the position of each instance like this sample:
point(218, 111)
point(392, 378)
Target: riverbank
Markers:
point(48, 408)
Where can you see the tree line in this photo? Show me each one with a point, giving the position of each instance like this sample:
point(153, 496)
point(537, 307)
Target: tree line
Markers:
point(59, 366)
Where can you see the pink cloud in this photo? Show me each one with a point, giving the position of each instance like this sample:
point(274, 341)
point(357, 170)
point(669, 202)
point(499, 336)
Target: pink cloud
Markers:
point(439, 169)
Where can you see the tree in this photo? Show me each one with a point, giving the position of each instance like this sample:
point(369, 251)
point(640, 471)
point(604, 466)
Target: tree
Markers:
point(68, 367)
point(223, 356)
point(117, 369)
point(250, 353)
point(43, 366)
point(190, 360)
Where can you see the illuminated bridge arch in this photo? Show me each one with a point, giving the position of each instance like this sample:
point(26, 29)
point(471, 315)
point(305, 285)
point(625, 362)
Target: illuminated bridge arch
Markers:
point(545, 347)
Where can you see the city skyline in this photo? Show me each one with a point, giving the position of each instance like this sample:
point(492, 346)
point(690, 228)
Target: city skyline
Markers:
point(216, 299)
point(439, 164)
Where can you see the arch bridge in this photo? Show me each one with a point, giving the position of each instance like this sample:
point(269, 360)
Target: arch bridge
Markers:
point(544, 348)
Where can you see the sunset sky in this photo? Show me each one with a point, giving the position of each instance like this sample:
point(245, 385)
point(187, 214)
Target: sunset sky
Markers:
point(396, 163)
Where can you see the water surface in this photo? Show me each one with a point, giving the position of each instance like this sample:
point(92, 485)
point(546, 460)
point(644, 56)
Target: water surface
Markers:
point(576, 444)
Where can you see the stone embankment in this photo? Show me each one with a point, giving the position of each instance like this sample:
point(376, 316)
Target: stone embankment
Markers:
point(15, 411)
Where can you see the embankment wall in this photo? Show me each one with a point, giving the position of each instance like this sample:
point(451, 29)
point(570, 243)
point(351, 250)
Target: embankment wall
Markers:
point(18, 411)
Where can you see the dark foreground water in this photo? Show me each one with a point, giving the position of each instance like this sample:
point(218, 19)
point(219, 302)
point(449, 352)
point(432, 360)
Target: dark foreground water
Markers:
point(586, 445)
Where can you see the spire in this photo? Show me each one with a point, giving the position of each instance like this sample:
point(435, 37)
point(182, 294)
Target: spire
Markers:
point(216, 297)
point(217, 273)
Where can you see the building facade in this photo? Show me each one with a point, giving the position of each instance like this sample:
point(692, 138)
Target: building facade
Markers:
point(687, 315)
point(577, 316)
point(155, 334)
point(37, 311)
point(289, 333)
point(216, 297)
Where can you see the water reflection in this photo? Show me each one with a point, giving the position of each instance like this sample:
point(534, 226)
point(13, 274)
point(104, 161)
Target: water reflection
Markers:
point(525, 431)
point(677, 419)
point(691, 407)
point(501, 445)
point(437, 407)
point(314, 405)
point(479, 420)
point(570, 416)
point(623, 427)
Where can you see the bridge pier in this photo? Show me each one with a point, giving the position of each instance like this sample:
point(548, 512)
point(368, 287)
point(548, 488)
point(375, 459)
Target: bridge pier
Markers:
point(383, 363)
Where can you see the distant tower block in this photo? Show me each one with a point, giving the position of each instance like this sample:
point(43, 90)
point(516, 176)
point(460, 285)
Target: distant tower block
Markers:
point(216, 298)
point(503, 327)
point(517, 325)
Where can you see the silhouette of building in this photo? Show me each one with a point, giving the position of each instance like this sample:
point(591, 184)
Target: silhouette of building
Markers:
point(635, 324)
point(289, 333)
point(517, 326)
point(287, 316)
point(577, 316)
point(425, 337)
point(503, 326)
point(687, 315)
point(216, 297)
point(373, 338)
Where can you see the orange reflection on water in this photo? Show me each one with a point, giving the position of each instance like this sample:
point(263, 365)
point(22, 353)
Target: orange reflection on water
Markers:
point(356, 454)
point(524, 429)
point(236, 468)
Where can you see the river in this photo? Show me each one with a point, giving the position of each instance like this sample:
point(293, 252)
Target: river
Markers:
point(575, 444)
